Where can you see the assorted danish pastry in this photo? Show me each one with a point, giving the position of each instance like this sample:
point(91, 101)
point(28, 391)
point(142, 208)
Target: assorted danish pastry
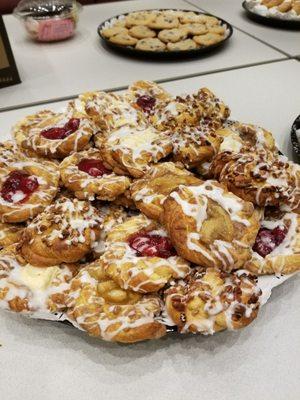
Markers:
point(286, 10)
point(130, 215)
point(164, 30)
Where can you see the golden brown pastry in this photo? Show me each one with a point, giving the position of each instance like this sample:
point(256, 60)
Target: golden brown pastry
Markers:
point(262, 177)
point(195, 146)
point(132, 150)
point(103, 309)
point(210, 226)
point(10, 234)
point(85, 174)
point(26, 188)
point(144, 95)
point(65, 231)
point(27, 289)
point(108, 111)
point(150, 192)
point(277, 246)
point(139, 256)
point(211, 300)
point(188, 110)
point(238, 137)
point(54, 135)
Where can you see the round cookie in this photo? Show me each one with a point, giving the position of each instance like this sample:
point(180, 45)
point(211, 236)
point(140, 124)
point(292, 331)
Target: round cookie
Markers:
point(139, 18)
point(187, 44)
point(172, 35)
point(150, 44)
point(195, 28)
point(115, 30)
point(163, 21)
point(208, 39)
point(220, 30)
point(141, 32)
point(123, 39)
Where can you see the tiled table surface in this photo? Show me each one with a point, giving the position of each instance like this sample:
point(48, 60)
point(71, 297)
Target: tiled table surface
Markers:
point(59, 70)
point(43, 360)
point(285, 40)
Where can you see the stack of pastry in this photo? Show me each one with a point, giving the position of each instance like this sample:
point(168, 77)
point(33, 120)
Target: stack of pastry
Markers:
point(126, 214)
point(165, 30)
point(281, 9)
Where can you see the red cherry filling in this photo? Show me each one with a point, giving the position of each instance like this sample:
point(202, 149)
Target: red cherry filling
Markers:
point(61, 133)
point(147, 245)
point(267, 240)
point(18, 181)
point(146, 103)
point(92, 167)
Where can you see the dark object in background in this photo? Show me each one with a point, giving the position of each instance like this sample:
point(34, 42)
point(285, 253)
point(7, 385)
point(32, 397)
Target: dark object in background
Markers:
point(8, 69)
point(295, 136)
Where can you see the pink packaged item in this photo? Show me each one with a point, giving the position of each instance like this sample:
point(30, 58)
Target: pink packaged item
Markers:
point(48, 21)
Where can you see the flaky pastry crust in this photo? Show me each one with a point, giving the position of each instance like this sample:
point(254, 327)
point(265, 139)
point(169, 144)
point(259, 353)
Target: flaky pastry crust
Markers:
point(188, 110)
point(210, 226)
point(20, 208)
point(131, 150)
point(103, 309)
point(33, 133)
point(150, 192)
point(32, 290)
point(65, 232)
point(262, 177)
point(85, 186)
point(138, 271)
point(285, 256)
point(211, 300)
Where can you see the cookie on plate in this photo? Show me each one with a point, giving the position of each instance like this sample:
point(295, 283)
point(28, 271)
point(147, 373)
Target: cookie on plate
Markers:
point(115, 30)
point(172, 35)
point(123, 39)
point(164, 21)
point(187, 44)
point(139, 18)
point(208, 39)
point(141, 32)
point(150, 44)
point(220, 30)
point(195, 28)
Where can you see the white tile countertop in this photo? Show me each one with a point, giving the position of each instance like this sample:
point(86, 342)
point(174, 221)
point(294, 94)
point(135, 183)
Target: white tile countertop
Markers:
point(58, 70)
point(44, 360)
point(285, 40)
point(267, 95)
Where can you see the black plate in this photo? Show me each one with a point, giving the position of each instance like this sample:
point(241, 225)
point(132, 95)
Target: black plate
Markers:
point(270, 20)
point(179, 55)
point(294, 137)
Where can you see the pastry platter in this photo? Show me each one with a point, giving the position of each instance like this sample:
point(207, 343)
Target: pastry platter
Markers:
point(191, 35)
point(264, 16)
point(133, 216)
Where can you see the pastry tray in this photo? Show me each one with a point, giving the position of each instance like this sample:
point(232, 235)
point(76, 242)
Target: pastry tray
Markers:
point(295, 137)
point(173, 55)
point(266, 283)
point(271, 20)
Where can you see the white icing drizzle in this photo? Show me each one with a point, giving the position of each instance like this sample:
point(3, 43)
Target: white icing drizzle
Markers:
point(36, 285)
